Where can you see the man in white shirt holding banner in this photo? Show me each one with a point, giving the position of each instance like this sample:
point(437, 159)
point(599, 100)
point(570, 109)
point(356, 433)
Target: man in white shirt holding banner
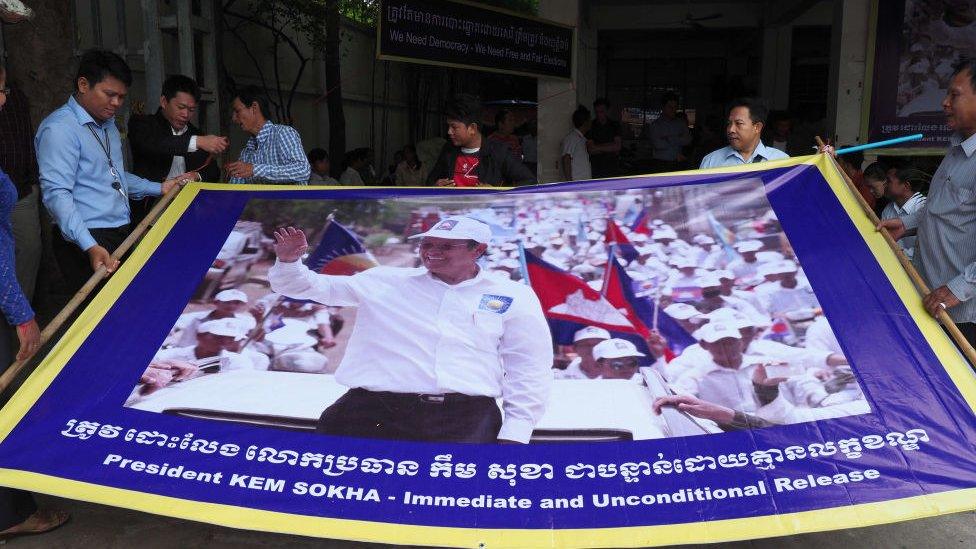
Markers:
point(433, 346)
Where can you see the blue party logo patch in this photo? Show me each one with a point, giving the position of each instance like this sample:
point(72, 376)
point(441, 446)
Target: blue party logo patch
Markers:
point(495, 303)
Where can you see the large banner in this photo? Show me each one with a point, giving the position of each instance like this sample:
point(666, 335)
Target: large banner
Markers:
point(469, 35)
point(917, 42)
point(693, 357)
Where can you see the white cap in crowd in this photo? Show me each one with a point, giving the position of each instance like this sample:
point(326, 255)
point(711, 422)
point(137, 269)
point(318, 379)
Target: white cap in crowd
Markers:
point(709, 280)
point(664, 233)
point(748, 246)
point(684, 262)
point(231, 295)
point(615, 348)
point(230, 327)
point(726, 315)
point(784, 267)
point(715, 331)
point(296, 336)
point(590, 332)
point(681, 311)
point(724, 274)
point(459, 228)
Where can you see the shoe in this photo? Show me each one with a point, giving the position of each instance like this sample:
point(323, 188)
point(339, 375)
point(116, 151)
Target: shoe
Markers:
point(42, 521)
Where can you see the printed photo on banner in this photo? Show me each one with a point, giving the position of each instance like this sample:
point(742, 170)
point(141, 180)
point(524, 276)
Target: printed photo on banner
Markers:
point(591, 316)
point(918, 42)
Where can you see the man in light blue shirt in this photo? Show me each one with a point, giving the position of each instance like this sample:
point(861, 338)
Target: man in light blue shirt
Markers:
point(747, 117)
point(274, 153)
point(84, 183)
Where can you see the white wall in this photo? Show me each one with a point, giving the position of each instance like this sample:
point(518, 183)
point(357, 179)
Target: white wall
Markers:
point(848, 63)
point(558, 98)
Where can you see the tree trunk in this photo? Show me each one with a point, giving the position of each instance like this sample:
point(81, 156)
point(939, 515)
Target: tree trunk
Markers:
point(333, 83)
point(39, 58)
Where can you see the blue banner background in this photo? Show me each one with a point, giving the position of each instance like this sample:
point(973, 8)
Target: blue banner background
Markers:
point(902, 378)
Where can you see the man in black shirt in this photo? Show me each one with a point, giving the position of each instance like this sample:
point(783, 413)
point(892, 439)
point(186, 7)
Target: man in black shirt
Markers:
point(166, 144)
point(469, 159)
point(605, 135)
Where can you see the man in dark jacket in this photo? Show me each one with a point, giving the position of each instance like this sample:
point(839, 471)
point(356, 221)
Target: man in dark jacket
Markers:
point(166, 143)
point(468, 159)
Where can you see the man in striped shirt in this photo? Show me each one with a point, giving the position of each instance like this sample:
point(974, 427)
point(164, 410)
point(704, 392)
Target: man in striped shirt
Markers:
point(945, 250)
point(274, 153)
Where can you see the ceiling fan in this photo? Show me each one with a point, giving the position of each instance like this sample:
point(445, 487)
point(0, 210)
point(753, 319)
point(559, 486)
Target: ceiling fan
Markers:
point(695, 22)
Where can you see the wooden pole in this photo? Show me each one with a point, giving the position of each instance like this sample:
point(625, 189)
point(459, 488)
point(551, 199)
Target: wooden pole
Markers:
point(906, 264)
point(8, 376)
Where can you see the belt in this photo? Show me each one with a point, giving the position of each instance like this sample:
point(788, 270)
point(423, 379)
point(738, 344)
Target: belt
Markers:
point(426, 398)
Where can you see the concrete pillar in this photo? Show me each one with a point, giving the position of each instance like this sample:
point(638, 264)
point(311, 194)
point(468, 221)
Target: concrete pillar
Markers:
point(558, 98)
point(848, 56)
point(776, 63)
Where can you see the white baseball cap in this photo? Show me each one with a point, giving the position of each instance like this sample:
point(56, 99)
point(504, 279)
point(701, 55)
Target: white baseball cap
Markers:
point(664, 233)
point(291, 336)
point(231, 295)
point(724, 274)
point(591, 332)
point(785, 266)
point(709, 280)
point(615, 348)
point(459, 228)
point(715, 331)
point(727, 315)
point(230, 327)
point(749, 246)
point(681, 311)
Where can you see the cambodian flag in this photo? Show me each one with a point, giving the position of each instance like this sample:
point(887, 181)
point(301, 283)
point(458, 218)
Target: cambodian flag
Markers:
point(724, 236)
point(340, 252)
point(618, 288)
point(640, 224)
point(615, 236)
point(569, 304)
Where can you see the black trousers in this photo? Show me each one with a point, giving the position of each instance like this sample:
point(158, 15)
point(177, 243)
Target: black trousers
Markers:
point(15, 505)
point(73, 261)
point(404, 416)
point(968, 330)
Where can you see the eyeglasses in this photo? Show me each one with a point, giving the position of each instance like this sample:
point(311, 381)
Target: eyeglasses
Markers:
point(427, 246)
point(621, 363)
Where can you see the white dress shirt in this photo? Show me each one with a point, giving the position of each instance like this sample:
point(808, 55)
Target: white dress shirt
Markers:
point(574, 144)
point(247, 359)
point(721, 385)
point(189, 325)
point(911, 206)
point(178, 167)
point(416, 334)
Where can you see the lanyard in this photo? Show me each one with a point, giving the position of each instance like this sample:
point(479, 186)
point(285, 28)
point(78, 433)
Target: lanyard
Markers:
point(116, 180)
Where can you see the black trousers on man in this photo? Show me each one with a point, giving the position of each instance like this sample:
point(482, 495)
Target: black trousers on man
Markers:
point(968, 330)
point(74, 263)
point(15, 505)
point(406, 416)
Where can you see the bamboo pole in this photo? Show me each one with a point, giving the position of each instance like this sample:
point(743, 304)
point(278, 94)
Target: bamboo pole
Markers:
point(8, 376)
point(920, 285)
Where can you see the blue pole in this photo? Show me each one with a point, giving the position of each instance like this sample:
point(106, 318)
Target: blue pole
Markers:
point(885, 143)
point(523, 264)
